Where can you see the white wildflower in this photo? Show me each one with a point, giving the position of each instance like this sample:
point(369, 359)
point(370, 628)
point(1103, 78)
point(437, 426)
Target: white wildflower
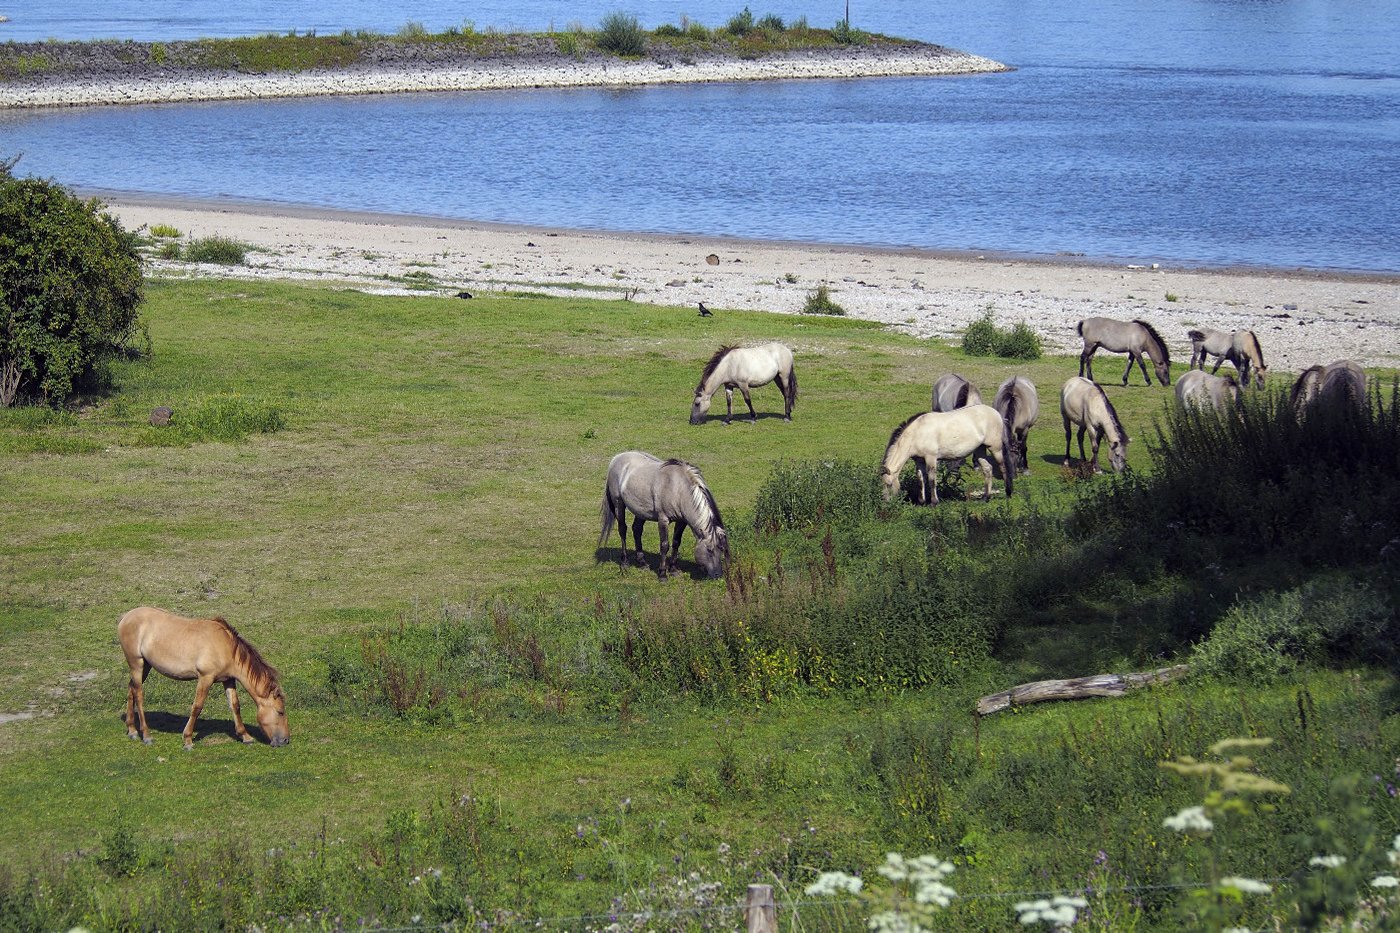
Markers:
point(1385, 881)
point(1190, 820)
point(829, 883)
point(894, 867)
point(1245, 885)
point(1237, 930)
point(1327, 861)
point(1061, 911)
point(892, 921)
point(934, 892)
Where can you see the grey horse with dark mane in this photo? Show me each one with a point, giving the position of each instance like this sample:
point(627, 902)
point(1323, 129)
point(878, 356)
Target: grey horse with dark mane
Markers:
point(1135, 338)
point(1342, 381)
point(670, 493)
point(1240, 347)
point(951, 392)
point(1019, 406)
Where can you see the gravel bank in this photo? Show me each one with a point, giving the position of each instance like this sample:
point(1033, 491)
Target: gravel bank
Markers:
point(1301, 318)
point(554, 72)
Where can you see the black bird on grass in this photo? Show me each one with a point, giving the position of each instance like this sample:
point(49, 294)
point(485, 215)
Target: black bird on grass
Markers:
point(704, 311)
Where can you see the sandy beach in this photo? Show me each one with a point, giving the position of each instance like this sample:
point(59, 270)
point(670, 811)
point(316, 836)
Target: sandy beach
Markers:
point(1300, 317)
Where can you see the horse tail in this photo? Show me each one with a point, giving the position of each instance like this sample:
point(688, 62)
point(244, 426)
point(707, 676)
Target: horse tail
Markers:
point(792, 385)
point(1079, 328)
point(1009, 465)
point(608, 518)
point(962, 395)
point(1195, 336)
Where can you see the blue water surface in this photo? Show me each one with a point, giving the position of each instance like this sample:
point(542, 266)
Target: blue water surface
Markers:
point(1256, 132)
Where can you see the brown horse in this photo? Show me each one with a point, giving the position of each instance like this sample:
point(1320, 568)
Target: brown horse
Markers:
point(203, 650)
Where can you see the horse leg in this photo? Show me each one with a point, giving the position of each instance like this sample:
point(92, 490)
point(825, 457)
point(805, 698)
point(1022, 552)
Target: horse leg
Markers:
point(1128, 371)
point(787, 397)
point(931, 480)
point(201, 693)
point(1097, 438)
point(1022, 440)
point(620, 516)
point(753, 415)
point(676, 544)
point(728, 404)
point(1142, 363)
point(136, 701)
point(1067, 434)
point(985, 466)
point(664, 526)
point(1218, 361)
point(231, 687)
point(1082, 458)
point(638, 557)
point(1086, 360)
point(921, 473)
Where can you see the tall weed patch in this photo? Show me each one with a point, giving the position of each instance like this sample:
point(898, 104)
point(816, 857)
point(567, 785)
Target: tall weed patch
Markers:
point(806, 493)
point(226, 418)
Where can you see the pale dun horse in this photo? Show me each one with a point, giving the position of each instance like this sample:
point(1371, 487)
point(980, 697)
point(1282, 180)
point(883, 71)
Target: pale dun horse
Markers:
point(932, 436)
point(1085, 403)
point(1019, 406)
point(1240, 347)
point(1199, 387)
point(951, 392)
point(744, 368)
point(666, 492)
point(1343, 381)
point(1135, 338)
point(208, 651)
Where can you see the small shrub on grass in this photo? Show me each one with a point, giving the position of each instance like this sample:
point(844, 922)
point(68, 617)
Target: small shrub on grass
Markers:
point(165, 230)
point(567, 43)
point(819, 301)
point(412, 31)
point(984, 338)
point(668, 31)
point(802, 494)
point(699, 32)
point(170, 250)
point(844, 34)
point(621, 34)
point(216, 249)
point(740, 24)
point(225, 418)
point(772, 23)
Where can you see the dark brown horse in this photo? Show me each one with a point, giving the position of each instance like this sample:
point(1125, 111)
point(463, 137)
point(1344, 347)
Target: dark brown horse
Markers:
point(202, 650)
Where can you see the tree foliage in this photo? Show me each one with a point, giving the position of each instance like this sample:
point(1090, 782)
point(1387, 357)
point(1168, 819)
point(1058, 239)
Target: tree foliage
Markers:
point(70, 289)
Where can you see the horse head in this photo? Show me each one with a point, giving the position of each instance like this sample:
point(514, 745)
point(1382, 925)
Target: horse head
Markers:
point(1164, 371)
point(713, 553)
point(699, 407)
point(1118, 455)
point(272, 715)
point(1259, 373)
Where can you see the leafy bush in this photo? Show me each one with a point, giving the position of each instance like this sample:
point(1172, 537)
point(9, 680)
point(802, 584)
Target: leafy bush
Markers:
point(740, 24)
point(699, 32)
point(844, 34)
point(412, 31)
point(567, 43)
point(70, 287)
point(1325, 619)
point(819, 302)
point(621, 34)
point(772, 23)
point(806, 493)
point(225, 418)
point(984, 338)
point(216, 249)
point(668, 30)
point(165, 231)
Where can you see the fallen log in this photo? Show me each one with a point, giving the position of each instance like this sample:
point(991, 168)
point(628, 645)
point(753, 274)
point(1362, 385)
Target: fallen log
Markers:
point(1078, 688)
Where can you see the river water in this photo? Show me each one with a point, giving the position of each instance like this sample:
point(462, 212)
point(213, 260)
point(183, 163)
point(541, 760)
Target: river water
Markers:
point(1252, 132)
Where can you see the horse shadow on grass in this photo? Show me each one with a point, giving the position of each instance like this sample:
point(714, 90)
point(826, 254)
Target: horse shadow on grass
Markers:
point(613, 555)
point(744, 418)
point(164, 723)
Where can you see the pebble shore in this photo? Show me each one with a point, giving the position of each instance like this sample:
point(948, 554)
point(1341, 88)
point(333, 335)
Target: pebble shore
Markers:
point(557, 72)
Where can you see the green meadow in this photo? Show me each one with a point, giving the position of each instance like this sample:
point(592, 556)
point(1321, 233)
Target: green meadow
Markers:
point(397, 500)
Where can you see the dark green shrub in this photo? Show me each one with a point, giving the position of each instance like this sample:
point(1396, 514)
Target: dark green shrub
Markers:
point(984, 338)
point(740, 24)
point(621, 34)
point(699, 32)
point(804, 493)
point(216, 249)
point(772, 23)
point(1021, 343)
point(668, 31)
point(844, 34)
point(1329, 618)
point(981, 337)
point(819, 302)
point(70, 287)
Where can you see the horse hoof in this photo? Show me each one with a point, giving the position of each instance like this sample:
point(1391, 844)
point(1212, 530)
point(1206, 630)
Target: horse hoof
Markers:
point(248, 740)
point(787, 421)
point(148, 741)
point(189, 746)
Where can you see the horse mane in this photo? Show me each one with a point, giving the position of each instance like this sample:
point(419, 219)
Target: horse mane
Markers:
point(1157, 339)
point(1258, 350)
point(1315, 371)
point(1112, 414)
point(264, 674)
point(701, 495)
point(713, 364)
point(894, 435)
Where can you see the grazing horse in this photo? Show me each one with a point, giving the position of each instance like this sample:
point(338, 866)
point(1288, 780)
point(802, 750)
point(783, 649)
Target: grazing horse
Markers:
point(1019, 406)
point(952, 435)
point(1135, 338)
point(951, 392)
point(203, 650)
point(743, 368)
point(1240, 347)
point(1086, 404)
point(1343, 380)
point(1201, 388)
point(666, 492)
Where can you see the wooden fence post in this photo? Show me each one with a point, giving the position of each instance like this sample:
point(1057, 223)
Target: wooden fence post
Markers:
point(760, 912)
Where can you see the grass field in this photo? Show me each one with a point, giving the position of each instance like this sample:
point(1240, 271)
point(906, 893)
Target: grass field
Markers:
point(438, 454)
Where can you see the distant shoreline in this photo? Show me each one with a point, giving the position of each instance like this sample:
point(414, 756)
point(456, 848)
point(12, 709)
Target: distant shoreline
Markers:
point(110, 73)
